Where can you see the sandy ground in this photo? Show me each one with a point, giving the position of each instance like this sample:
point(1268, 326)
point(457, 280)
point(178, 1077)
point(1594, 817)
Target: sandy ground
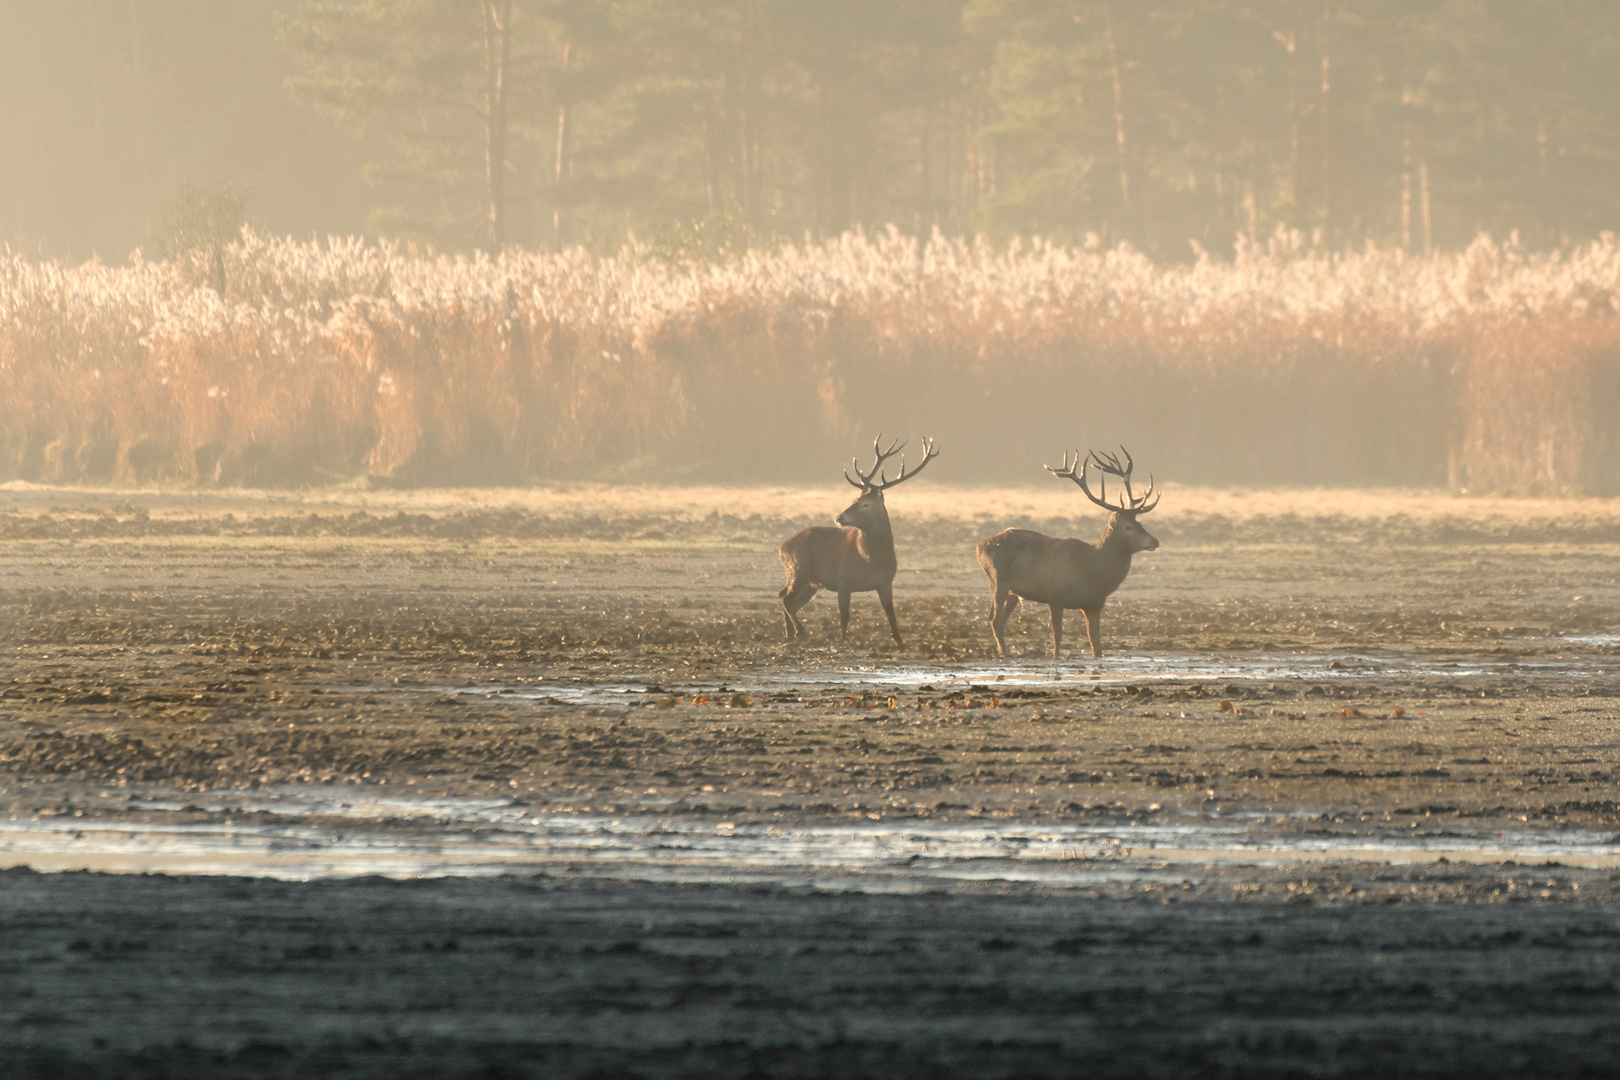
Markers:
point(1320, 667)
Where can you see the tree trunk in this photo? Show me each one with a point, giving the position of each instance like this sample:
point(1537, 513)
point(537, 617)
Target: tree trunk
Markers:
point(561, 172)
point(497, 56)
point(1327, 129)
point(1406, 170)
point(837, 183)
point(1423, 190)
point(925, 212)
point(711, 179)
point(1295, 177)
point(1125, 201)
point(749, 93)
point(1543, 142)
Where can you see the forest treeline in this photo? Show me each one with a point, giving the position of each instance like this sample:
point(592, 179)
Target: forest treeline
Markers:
point(706, 125)
point(703, 126)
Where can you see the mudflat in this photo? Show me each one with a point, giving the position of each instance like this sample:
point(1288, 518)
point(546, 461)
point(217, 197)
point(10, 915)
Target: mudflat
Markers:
point(1218, 849)
point(1437, 972)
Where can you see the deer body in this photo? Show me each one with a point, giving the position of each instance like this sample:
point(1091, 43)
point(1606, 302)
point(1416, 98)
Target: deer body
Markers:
point(858, 557)
point(1066, 573)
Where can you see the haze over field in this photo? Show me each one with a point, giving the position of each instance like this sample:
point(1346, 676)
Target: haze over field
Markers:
point(1342, 243)
point(1415, 124)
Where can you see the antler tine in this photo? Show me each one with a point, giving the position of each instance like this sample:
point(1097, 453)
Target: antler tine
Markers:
point(1077, 473)
point(1067, 472)
point(1107, 465)
point(881, 455)
point(1130, 496)
point(1085, 487)
point(866, 477)
point(884, 455)
point(929, 454)
point(1142, 504)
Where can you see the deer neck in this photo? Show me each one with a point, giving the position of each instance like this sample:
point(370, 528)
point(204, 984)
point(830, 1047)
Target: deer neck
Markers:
point(1114, 560)
point(876, 541)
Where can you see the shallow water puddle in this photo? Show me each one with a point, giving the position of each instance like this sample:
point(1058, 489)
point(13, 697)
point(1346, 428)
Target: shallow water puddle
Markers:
point(1271, 667)
point(300, 833)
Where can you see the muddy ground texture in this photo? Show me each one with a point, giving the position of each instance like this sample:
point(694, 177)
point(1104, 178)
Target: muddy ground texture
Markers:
point(203, 642)
point(451, 643)
point(126, 976)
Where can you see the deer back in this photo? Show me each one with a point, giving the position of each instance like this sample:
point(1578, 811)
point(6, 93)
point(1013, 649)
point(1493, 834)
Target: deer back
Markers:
point(840, 559)
point(1063, 571)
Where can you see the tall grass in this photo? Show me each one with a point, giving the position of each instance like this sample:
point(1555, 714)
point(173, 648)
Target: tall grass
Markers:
point(1488, 369)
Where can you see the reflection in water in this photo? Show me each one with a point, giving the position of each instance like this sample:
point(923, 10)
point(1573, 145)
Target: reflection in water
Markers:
point(902, 677)
point(323, 832)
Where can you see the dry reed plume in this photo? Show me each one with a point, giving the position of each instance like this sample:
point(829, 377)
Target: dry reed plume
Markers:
point(1489, 369)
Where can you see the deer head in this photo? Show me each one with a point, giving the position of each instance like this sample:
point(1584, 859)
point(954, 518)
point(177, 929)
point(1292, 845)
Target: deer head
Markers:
point(1122, 524)
point(868, 511)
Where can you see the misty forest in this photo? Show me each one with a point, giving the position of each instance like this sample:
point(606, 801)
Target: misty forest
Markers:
point(704, 128)
point(645, 239)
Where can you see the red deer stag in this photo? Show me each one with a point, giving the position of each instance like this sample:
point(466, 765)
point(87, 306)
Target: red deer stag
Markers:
point(856, 558)
point(1069, 573)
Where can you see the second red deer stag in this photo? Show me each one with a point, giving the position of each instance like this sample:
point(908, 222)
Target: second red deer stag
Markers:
point(859, 557)
point(1027, 565)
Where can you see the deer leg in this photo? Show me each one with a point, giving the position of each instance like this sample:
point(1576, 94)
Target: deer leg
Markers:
point(886, 595)
point(1057, 630)
point(792, 601)
point(843, 613)
point(1094, 629)
point(1003, 604)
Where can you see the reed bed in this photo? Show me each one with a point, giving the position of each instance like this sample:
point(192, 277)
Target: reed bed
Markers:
point(1490, 369)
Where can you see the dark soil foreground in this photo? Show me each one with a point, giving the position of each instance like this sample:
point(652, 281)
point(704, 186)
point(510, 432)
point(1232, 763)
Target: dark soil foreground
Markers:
point(182, 646)
point(1412, 972)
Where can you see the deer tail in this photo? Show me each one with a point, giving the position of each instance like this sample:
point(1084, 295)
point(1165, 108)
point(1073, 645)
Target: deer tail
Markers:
point(987, 551)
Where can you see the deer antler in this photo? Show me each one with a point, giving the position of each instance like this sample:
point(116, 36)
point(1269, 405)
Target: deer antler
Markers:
point(883, 482)
point(1108, 465)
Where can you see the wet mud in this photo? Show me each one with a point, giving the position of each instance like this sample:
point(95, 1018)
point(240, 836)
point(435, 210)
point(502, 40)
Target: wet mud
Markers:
point(1306, 704)
point(1438, 971)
